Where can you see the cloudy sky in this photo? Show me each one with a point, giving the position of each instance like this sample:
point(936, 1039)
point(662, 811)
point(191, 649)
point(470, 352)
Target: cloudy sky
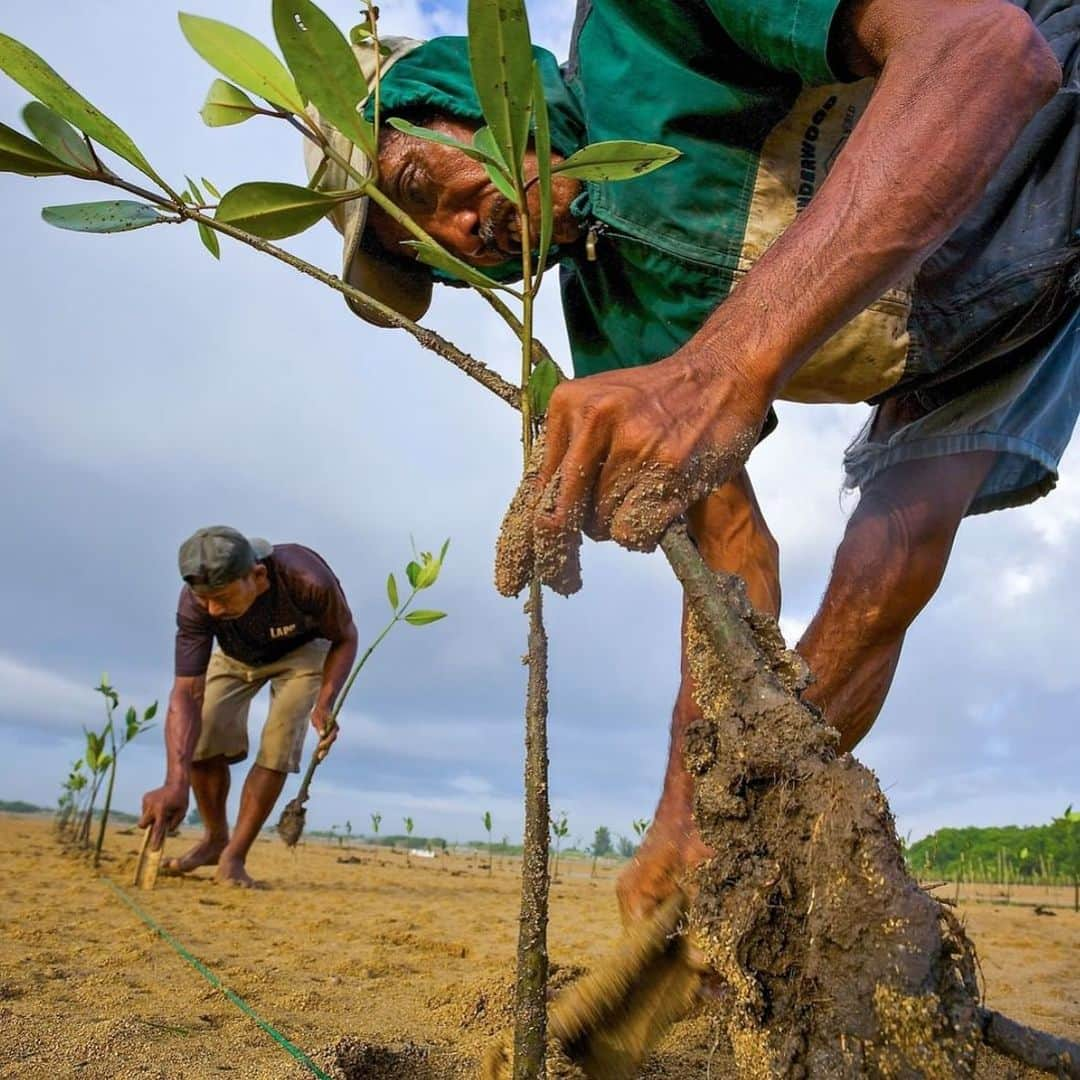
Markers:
point(146, 390)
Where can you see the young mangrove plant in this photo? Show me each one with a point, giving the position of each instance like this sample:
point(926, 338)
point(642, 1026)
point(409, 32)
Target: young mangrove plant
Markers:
point(133, 726)
point(422, 571)
point(559, 829)
point(408, 838)
point(70, 797)
point(491, 856)
point(322, 69)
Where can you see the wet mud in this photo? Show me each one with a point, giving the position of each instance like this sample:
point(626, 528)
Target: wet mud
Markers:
point(831, 961)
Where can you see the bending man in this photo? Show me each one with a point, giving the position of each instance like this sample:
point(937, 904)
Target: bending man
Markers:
point(875, 202)
point(280, 617)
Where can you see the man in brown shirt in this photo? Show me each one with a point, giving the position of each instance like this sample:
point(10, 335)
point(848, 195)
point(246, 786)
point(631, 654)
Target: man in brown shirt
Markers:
point(280, 616)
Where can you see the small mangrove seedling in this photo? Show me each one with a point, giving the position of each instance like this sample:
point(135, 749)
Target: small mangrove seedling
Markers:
point(133, 726)
point(376, 821)
point(559, 829)
point(408, 838)
point(641, 827)
point(487, 826)
point(421, 575)
point(70, 796)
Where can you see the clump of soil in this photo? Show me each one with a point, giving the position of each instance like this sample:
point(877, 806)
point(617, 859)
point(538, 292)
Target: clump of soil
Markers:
point(290, 826)
point(351, 1058)
point(831, 960)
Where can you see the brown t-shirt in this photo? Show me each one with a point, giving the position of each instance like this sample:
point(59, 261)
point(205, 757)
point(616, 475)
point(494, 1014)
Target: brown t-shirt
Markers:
point(305, 601)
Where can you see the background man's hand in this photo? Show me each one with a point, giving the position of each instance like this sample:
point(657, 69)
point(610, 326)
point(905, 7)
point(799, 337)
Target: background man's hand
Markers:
point(626, 453)
point(163, 809)
point(328, 732)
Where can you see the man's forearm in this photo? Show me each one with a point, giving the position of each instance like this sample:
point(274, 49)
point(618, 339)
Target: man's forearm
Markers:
point(336, 668)
point(954, 92)
point(183, 723)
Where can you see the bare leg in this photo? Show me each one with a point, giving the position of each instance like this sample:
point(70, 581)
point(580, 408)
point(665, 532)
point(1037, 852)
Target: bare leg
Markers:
point(261, 791)
point(732, 535)
point(888, 566)
point(210, 785)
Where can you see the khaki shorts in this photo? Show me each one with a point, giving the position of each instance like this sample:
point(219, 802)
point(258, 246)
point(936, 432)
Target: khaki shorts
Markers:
point(294, 680)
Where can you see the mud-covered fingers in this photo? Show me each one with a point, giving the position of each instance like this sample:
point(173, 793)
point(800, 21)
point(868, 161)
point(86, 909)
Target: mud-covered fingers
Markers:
point(566, 503)
point(659, 496)
point(514, 554)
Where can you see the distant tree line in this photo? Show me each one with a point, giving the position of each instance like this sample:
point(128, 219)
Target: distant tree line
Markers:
point(1036, 854)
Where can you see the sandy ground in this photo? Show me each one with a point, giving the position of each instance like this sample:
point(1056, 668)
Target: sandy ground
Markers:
point(378, 969)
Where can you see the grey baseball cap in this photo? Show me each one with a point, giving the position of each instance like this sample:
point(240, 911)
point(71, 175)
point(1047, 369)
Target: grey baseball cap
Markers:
point(218, 555)
point(401, 284)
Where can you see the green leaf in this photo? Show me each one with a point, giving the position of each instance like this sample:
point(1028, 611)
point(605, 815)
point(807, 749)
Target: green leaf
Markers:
point(226, 104)
point(131, 716)
point(273, 210)
point(209, 239)
point(58, 136)
point(542, 383)
point(194, 189)
point(422, 618)
point(543, 170)
point(412, 572)
point(500, 55)
point(210, 187)
point(21, 155)
point(429, 574)
point(443, 260)
point(117, 215)
point(484, 141)
point(471, 150)
point(445, 549)
point(616, 160)
point(325, 68)
point(243, 59)
point(151, 712)
point(34, 75)
point(104, 762)
point(361, 32)
point(391, 591)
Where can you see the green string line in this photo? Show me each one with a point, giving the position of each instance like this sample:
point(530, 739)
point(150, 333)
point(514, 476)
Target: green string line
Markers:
point(289, 1047)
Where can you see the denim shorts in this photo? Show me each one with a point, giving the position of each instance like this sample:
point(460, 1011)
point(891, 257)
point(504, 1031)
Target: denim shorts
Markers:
point(1023, 407)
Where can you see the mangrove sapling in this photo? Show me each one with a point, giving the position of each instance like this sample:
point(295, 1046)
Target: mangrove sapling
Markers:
point(491, 856)
point(421, 575)
point(323, 70)
point(408, 838)
point(559, 829)
point(70, 796)
point(376, 821)
point(133, 726)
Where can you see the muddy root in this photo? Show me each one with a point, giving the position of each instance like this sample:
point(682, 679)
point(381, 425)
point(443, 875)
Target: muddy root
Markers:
point(290, 826)
point(831, 960)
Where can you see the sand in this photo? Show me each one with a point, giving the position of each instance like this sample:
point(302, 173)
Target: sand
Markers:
point(406, 971)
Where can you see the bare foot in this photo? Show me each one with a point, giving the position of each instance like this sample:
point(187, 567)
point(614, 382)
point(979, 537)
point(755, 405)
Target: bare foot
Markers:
point(231, 872)
point(205, 853)
point(672, 847)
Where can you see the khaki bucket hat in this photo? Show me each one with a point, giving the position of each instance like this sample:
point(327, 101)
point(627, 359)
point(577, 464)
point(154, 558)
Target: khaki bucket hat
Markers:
point(398, 283)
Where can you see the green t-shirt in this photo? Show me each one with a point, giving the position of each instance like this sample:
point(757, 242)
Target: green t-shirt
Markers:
point(746, 90)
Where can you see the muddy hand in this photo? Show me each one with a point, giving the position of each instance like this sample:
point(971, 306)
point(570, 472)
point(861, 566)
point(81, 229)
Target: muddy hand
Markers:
point(327, 730)
point(626, 453)
point(516, 553)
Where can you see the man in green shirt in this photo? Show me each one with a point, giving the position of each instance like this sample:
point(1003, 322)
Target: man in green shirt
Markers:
point(864, 209)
